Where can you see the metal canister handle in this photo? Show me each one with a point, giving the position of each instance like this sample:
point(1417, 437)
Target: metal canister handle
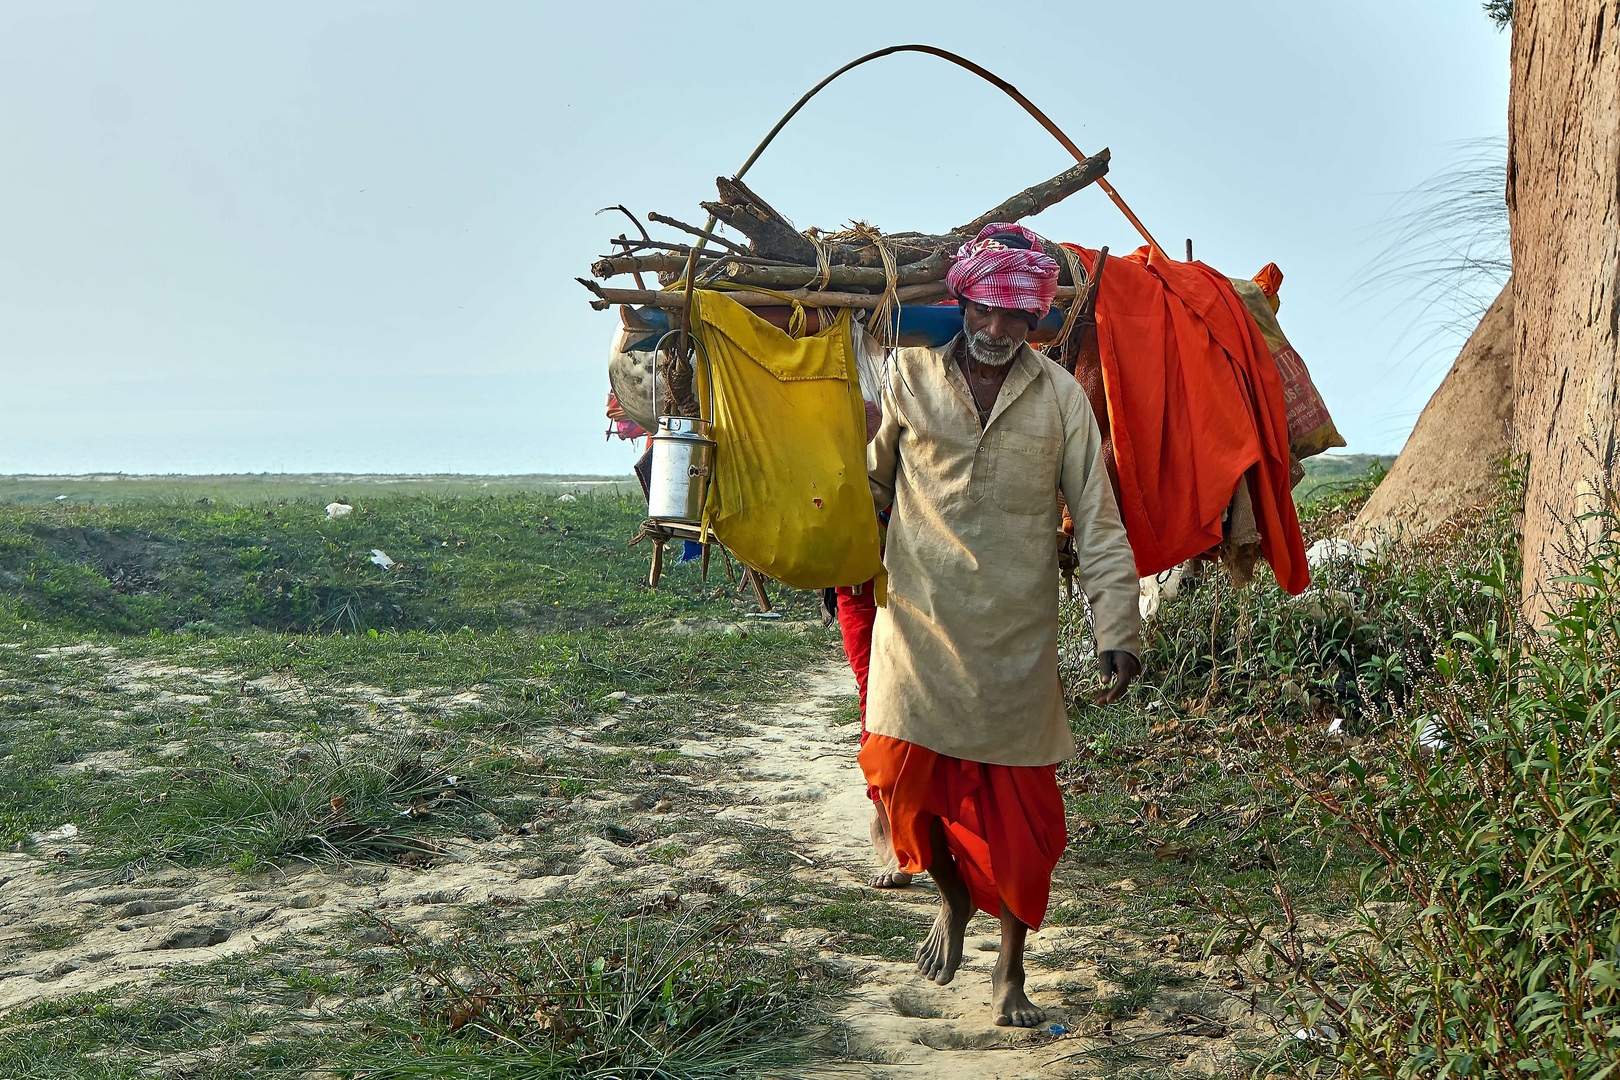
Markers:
point(658, 350)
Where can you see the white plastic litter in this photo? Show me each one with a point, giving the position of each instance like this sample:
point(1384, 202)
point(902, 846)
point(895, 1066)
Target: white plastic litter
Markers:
point(1433, 736)
point(1337, 727)
point(1337, 548)
point(56, 835)
point(1155, 590)
point(1321, 1033)
point(59, 498)
point(566, 498)
point(338, 510)
point(380, 557)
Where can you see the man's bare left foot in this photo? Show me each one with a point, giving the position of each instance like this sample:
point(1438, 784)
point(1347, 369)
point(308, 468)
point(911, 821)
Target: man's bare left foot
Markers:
point(1009, 1004)
point(890, 879)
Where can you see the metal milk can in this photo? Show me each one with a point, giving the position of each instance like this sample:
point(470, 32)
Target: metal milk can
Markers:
point(682, 459)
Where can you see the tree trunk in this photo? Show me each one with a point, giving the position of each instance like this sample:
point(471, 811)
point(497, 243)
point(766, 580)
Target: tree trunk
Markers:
point(1563, 168)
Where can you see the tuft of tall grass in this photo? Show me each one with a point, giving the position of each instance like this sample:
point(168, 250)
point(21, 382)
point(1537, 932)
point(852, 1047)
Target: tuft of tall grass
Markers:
point(689, 998)
point(332, 805)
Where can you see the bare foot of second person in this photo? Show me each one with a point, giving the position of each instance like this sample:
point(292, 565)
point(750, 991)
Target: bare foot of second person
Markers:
point(891, 876)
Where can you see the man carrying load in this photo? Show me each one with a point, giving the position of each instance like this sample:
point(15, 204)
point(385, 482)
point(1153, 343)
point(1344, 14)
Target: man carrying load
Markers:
point(965, 709)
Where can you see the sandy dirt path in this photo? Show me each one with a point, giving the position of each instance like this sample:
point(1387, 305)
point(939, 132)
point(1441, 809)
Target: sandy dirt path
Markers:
point(800, 775)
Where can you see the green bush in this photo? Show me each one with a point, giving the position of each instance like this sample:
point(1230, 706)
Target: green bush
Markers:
point(1350, 646)
point(1488, 937)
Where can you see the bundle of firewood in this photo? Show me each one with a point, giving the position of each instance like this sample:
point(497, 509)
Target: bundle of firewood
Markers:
point(859, 267)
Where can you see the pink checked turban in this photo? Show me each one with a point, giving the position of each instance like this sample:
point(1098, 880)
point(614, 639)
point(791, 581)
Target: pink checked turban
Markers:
point(989, 272)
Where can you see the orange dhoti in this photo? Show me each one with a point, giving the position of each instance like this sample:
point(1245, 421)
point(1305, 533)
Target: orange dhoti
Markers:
point(1003, 823)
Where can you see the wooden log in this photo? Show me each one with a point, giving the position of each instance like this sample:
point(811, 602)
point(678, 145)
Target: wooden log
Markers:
point(1032, 200)
point(614, 265)
point(932, 268)
point(771, 233)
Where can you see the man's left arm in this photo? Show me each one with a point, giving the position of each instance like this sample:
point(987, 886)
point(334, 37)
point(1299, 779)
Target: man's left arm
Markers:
point(1105, 566)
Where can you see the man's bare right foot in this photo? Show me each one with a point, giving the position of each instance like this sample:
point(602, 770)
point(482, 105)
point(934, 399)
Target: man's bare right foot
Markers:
point(890, 879)
point(941, 954)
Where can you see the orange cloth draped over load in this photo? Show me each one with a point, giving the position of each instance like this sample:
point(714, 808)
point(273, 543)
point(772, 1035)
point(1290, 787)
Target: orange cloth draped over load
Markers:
point(1003, 823)
point(1195, 402)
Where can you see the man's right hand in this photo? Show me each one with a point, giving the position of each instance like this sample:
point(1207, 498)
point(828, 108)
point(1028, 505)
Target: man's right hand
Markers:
point(1118, 669)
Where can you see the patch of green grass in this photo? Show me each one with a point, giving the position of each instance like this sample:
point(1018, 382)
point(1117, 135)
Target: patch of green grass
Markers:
point(848, 712)
point(862, 922)
point(1138, 984)
point(46, 936)
point(106, 1037)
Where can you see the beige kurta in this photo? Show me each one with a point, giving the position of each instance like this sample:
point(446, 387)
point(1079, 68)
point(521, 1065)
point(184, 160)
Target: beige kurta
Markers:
point(964, 656)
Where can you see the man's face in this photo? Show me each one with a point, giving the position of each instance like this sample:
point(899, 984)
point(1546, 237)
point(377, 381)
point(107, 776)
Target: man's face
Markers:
point(993, 333)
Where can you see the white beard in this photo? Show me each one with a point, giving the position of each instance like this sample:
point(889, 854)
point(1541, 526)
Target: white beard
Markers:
point(989, 351)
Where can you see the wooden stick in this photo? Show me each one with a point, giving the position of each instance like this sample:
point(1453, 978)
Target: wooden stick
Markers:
point(1088, 298)
point(679, 249)
point(695, 231)
point(759, 591)
point(625, 210)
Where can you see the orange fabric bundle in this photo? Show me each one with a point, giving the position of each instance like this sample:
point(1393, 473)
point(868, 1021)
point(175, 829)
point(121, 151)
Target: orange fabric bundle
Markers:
point(1195, 403)
point(1003, 823)
point(1269, 279)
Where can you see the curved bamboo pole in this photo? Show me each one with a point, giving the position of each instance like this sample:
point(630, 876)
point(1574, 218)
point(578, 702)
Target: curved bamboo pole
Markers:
point(960, 61)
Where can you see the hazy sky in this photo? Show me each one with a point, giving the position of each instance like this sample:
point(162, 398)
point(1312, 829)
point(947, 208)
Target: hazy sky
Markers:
point(342, 236)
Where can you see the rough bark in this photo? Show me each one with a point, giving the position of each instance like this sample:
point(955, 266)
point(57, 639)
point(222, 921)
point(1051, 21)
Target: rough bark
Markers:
point(1452, 459)
point(1563, 171)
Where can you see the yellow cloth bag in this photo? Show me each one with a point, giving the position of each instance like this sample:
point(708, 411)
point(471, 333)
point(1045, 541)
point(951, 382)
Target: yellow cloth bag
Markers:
point(789, 495)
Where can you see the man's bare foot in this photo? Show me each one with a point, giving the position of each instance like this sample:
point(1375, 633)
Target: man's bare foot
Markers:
point(1009, 1004)
point(890, 877)
point(941, 954)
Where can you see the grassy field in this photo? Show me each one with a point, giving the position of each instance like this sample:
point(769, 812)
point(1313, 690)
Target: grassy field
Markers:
point(115, 489)
point(1326, 474)
point(232, 696)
